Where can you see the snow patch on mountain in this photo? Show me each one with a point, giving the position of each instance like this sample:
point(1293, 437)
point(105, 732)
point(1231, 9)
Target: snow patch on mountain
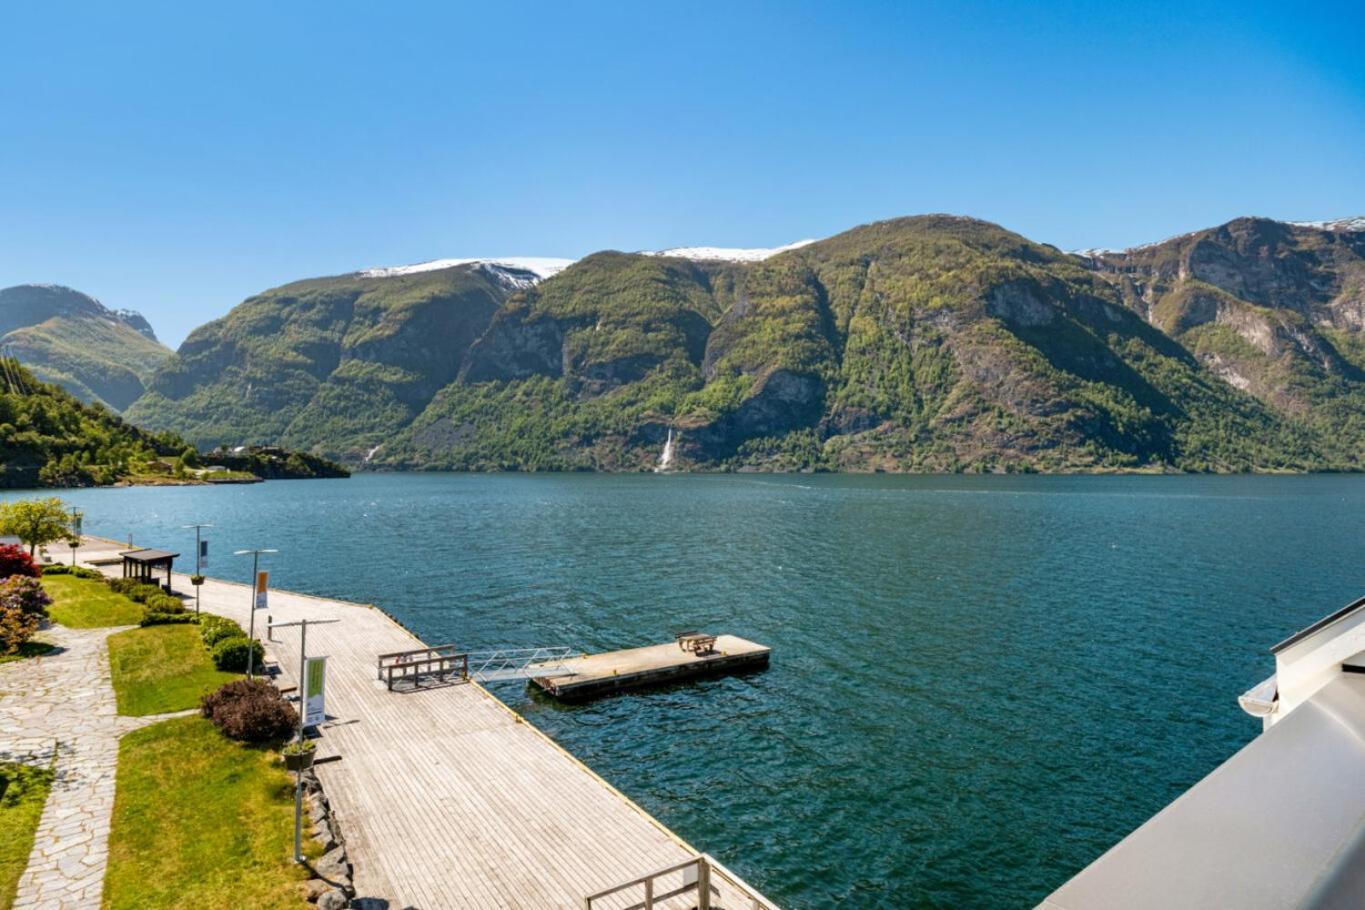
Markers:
point(1341, 224)
point(726, 254)
point(515, 271)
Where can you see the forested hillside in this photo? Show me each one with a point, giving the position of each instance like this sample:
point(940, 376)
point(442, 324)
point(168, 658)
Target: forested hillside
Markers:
point(49, 438)
point(334, 365)
point(933, 343)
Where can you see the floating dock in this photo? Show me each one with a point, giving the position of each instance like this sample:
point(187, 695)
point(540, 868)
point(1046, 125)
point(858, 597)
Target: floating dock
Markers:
point(593, 675)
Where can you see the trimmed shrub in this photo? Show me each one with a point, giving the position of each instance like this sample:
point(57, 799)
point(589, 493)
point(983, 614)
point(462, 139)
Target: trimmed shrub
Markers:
point(214, 629)
point(24, 594)
point(165, 603)
point(167, 619)
point(230, 654)
point(57, 568)
point(141, 593)
point(251, 711)
point(123, 585)
point(16, 627)
point(16, 561)
point(83, 572)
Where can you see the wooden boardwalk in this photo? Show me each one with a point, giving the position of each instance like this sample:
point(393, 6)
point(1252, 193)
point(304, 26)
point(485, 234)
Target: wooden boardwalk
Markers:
point(598, 674)
point(447, 798)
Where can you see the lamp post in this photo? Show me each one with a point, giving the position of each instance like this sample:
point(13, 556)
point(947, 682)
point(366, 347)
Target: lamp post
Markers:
point(303, 625)
point(74, 540)
point(251, 635)
point(198, 580)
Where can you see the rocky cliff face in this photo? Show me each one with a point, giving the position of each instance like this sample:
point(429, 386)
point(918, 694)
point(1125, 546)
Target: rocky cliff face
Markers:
point(1274, 309)
point(71, 339)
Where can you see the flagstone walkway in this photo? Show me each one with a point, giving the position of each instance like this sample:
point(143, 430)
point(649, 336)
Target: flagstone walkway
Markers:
point(64, 702)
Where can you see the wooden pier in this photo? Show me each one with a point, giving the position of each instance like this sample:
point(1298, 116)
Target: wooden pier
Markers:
point(593, 675)
point(448, 799)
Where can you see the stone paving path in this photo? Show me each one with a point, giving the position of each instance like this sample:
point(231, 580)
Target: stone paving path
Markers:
point(65, 702)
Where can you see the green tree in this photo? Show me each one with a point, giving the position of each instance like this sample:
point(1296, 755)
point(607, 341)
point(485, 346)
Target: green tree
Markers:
point(35, 521)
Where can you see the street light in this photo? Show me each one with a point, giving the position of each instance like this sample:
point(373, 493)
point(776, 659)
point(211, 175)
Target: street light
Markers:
point(251, 635)
point(198, 564)
point(74, 540)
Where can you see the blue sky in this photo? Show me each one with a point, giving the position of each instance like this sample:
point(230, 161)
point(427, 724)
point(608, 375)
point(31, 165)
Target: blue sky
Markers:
point(176, 158)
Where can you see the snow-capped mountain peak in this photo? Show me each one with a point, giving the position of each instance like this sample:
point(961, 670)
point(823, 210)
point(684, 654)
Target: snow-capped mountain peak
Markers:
point(514, 271)
point(726, 254)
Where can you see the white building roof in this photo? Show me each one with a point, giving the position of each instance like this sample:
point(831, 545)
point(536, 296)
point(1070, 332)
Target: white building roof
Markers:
point(1280, 824)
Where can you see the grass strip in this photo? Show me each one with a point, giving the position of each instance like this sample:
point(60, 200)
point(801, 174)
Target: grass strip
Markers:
point(85, 603)
point(201, 821)
point(161, 668)
point(23, 791)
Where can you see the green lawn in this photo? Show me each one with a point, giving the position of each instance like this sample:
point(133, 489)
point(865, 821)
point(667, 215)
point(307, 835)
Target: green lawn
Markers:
point(31, 648)
point(161, 668)
point(21, 805)
point(84, 603)
point(201, 822)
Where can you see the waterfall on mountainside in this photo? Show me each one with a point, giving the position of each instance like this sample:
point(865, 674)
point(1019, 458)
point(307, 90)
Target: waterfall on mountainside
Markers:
point(666, 458)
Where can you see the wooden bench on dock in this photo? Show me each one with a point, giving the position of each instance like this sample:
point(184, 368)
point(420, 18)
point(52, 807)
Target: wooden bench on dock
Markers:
point(696, 642)
point(440, 663)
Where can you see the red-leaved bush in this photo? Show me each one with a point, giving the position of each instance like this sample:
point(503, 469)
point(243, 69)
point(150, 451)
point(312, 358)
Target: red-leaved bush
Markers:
point(251, 711)
point(15, 561)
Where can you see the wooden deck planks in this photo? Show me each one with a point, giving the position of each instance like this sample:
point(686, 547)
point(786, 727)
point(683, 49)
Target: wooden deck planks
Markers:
point(447, 798)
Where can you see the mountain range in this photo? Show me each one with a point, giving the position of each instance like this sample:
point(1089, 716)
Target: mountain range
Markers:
point(925, 343)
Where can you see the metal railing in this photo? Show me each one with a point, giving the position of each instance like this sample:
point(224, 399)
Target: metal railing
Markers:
point(440, 662)
point(518, 663)
point(714, 885)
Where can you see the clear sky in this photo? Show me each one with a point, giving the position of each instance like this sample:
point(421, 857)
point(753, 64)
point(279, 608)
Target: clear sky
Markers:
point(176, 158)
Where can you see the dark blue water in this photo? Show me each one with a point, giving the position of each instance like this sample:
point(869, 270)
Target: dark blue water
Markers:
point(978, 684)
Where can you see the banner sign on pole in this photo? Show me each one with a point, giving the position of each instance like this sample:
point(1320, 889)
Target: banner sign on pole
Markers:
point(203, 553)
point(261, 578)
point(315, 685)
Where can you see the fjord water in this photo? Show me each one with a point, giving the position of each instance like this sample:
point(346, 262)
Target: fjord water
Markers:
point(978, 683)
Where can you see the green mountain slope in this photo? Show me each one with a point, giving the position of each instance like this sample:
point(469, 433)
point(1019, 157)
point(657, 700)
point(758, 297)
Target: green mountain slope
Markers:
point(70, 339)
point(926, 343)
point(50, 438)
point(332, 365)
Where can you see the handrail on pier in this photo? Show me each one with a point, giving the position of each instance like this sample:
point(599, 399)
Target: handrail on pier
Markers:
point(699, 874)
point(441, 662)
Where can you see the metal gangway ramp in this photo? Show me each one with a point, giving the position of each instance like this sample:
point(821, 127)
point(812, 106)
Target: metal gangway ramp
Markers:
point(518, 663)
point(446, 663)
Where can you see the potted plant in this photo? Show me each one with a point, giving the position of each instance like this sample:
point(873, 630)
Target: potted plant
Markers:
point(298, 756)
point(196, 580)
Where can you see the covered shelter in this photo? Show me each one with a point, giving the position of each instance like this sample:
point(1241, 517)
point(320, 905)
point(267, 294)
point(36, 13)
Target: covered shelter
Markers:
point(143, 565)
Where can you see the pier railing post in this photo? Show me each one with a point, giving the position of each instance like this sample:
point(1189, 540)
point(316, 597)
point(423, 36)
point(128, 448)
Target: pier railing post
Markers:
point(703, 884)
